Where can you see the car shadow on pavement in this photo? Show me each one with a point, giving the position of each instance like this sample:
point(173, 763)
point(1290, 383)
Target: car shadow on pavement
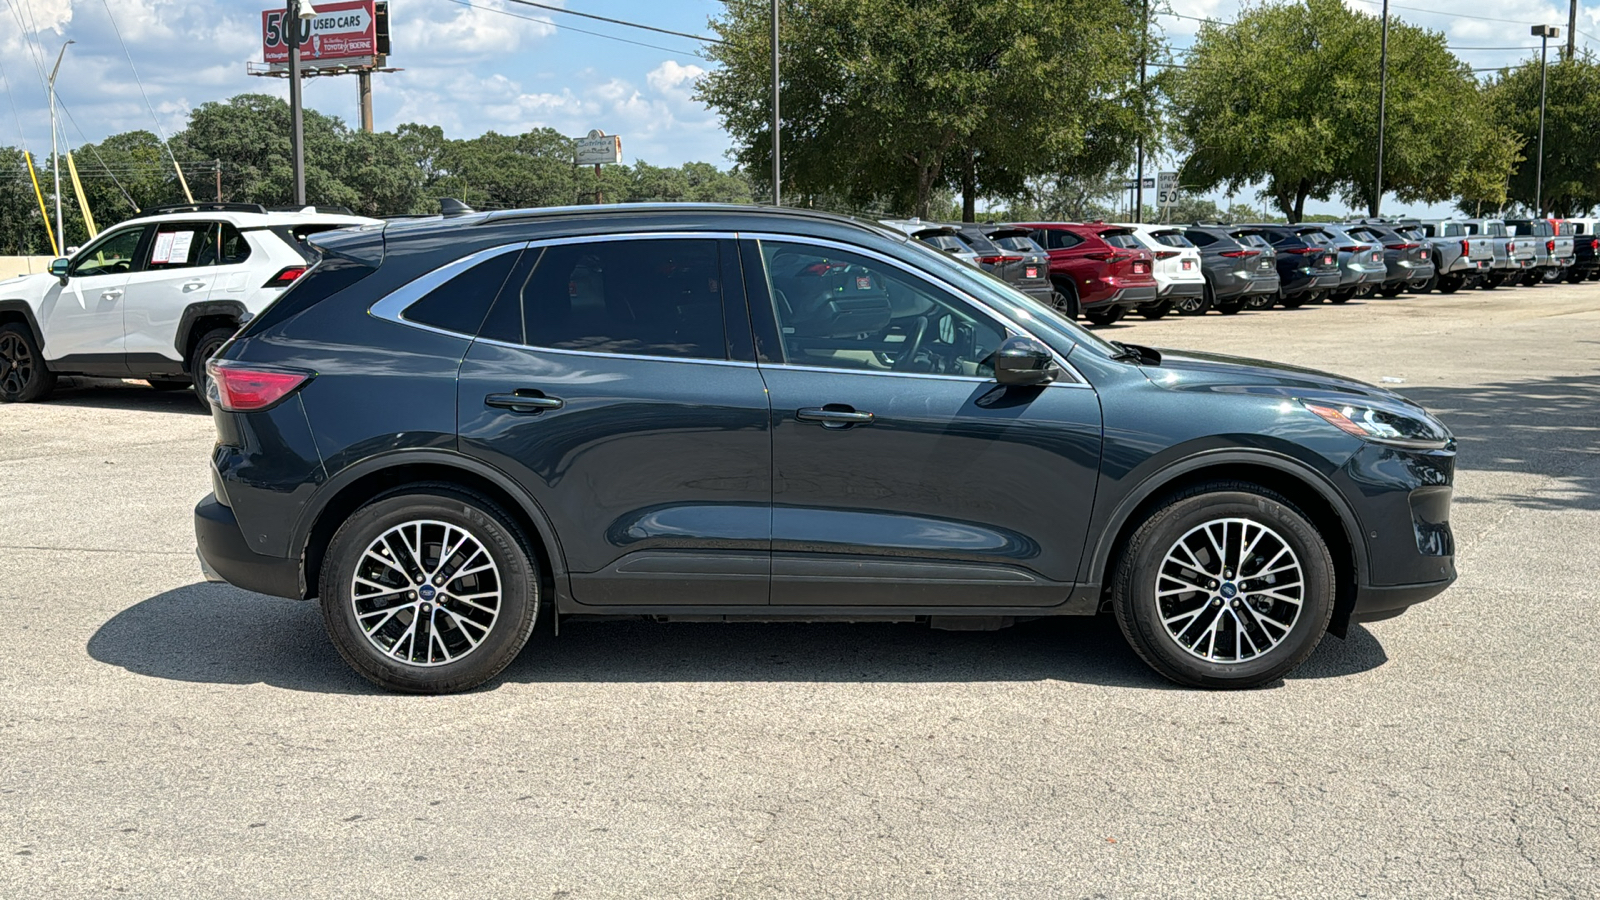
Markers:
point(100, 393)
point(217, 634)
point(1542, 426)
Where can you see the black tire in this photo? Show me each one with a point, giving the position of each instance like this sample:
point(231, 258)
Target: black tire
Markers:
point(1196, 306)
point(1490, 282)
point(1230, 307)
point(1106, 316)
point(1260, 301)
point(1574, 277)
point(204, 349)
point(1141, 611)
point(1341, 296)
point(1295, 302)
point(1449, 284)
point(1532, 278)
point(1155, 311)
point(1553, 275)
point(515, 575)
point(1391, 292)
point(1067, 300)
point(24, 377)
point(168, 384)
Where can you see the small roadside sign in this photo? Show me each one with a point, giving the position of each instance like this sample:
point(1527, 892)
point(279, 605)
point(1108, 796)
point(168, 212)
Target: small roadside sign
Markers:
point(1167, 189)
point(597, 149)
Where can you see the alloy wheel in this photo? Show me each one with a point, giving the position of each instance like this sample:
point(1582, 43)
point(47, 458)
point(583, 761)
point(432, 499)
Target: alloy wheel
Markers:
point(16, 364)
point(426, 593)
point(1230, 590)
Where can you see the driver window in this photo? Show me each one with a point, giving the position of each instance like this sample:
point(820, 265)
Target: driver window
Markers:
point(111, 256)
point(841, 310)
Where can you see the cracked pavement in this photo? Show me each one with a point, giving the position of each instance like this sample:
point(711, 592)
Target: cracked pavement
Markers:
point(162, 737)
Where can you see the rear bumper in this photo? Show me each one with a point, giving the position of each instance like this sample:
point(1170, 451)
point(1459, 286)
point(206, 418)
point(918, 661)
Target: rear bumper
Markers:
point(1125, 296)
point(1320, 281)
point(1177, 290)
point(224, 555)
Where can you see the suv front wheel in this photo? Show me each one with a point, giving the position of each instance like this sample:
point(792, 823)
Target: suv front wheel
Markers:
point(1226, 586)
point(429, 590)
point(23, 376)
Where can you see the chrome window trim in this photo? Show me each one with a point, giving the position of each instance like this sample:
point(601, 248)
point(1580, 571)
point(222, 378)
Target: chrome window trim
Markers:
point(601, 354)
point(907, 268)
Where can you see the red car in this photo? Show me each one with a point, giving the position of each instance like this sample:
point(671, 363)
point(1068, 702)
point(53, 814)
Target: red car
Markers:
point(1100, 270)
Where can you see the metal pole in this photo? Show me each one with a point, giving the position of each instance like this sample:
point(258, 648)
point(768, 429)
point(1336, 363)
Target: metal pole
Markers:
point(216, 166)
point(365, 79)
point(777, 169)
point(599, 193)
point(291, 26)
point(1538, 188)
point(1138, 191)
point(55, 157)
point(1383, 103)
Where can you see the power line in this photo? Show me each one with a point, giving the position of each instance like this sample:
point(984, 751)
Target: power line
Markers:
point(611, 37)
point(573, 12)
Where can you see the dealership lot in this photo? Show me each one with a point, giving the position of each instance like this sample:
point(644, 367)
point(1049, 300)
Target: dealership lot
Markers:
point(161, 736)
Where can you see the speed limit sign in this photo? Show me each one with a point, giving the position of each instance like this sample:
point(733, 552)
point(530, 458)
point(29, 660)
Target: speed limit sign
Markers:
point(1167, 189)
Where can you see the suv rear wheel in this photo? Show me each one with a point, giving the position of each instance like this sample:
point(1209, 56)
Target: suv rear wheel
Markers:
point(429, 590)
point(23, 376)
point(204, 349)
point(1226, 586)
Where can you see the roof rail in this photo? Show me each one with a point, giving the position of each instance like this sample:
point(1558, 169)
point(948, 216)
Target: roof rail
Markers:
point(198, 207)
point(325, 210)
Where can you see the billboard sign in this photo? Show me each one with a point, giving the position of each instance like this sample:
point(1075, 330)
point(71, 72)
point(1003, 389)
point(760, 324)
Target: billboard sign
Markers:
point(339, 30)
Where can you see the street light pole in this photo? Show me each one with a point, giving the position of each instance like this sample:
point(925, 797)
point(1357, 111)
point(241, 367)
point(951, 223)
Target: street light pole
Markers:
point(777, 195)
point(55, 155)
point(1544, 33)
point(1383, 102)
point(297, 137)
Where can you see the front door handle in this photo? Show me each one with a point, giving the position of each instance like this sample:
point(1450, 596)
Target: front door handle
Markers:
point(525, 400)
point(110, 295)
point(834, 415)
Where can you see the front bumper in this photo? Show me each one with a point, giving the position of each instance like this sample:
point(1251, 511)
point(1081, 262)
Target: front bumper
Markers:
point(224, 555)
point(1375, 602)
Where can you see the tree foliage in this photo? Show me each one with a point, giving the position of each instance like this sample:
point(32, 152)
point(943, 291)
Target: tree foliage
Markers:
point(892, 100)
point(1287, 96)
point(1572, 119)
point(398, 172)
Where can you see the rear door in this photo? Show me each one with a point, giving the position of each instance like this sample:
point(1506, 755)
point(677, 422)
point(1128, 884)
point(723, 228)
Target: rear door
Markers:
point(614, 379)
point(179, 269)
point(903, 474)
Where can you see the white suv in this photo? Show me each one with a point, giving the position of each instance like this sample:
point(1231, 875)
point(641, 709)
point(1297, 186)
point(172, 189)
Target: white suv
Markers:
point(1177, 267)
point(154, 296)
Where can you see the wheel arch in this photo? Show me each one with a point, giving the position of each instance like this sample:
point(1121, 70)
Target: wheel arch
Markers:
point(1308, 490)
point(20, 311)
point(356, 485)
point(198, 318)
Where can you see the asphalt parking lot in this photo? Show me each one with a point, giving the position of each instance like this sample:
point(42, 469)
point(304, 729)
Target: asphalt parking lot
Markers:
point(164, 737)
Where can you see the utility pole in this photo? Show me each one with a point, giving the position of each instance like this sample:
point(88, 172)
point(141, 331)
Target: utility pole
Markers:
point(1383, 102)
point(1138, 175)
point(1572, 30)
point(777, 169)
point(55, 155)
point(1544, 33)
point(364, 78)
point(297, 135)
point(216, 166)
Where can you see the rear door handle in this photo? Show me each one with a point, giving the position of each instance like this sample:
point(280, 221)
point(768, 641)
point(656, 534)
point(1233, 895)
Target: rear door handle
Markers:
point(110, 295)
point(834, 415)
point(193, 286)
point(525, 400)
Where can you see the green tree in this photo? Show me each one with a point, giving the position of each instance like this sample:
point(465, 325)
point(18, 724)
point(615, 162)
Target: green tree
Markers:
point(1572, 119)
point(896, 99)
point(1286, 97)
point(22, 231)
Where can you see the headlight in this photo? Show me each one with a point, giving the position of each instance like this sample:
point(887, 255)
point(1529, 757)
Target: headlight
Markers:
point(1383, 425)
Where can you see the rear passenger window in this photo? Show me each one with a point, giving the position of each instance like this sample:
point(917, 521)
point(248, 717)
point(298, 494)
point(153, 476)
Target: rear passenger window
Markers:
point(1055, 239)
point(182, 245)
point(460, 304)
point(635, 297)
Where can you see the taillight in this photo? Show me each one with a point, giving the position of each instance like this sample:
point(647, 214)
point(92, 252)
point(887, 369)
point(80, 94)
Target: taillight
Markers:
point(1302, 251)
point(1466, 247)
point(1349, 249)
point(1549, 246)
point(286, 277)
point(1402, 246)
point(997, 260)
point(1166, 254)
point(238, 387)
point(1237, 254)
point(1511, 246)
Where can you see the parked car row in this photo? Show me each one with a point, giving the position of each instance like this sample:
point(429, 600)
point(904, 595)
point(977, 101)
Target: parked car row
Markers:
point(1103, 270)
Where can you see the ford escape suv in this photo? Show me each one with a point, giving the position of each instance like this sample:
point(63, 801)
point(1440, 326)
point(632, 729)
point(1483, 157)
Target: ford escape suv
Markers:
point(451, 428)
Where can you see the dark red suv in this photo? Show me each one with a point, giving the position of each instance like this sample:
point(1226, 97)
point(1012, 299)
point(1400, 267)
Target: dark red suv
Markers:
point(1100, 270)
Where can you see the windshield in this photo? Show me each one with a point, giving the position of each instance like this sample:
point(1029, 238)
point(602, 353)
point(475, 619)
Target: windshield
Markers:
point(1019, 306)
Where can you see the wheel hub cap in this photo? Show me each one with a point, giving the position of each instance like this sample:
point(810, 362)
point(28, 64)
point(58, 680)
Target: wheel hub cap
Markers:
point(1229, 590)
point(412, 621)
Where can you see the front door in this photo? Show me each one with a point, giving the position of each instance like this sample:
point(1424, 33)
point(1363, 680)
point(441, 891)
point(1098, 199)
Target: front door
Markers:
point(903, 474)
point(614, 380)
point(82, 319)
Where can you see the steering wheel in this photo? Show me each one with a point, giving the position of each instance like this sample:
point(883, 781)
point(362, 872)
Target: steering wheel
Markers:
point(905, 358)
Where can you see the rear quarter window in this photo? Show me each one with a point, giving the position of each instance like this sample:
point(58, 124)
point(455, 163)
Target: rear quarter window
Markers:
point(1121, 239)
point(1173, 239)
point(460, 304)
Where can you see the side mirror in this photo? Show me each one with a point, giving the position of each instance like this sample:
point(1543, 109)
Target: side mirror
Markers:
point(59, 267)
point(1024, 362)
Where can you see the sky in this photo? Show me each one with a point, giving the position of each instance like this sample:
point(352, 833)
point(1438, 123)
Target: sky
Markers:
point(476, 65)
